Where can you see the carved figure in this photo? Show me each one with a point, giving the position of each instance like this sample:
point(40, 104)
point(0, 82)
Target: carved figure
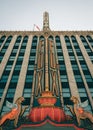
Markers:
point(15, 112)
point(78, 110)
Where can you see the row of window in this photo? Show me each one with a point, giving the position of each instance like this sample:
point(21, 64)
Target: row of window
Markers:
point(77, 74)
point(25, 40)
point(15, 76)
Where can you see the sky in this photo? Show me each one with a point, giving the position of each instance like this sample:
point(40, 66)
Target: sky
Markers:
point(21, 15)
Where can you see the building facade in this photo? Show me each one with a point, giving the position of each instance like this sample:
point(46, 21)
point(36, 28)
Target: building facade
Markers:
point(32, 62)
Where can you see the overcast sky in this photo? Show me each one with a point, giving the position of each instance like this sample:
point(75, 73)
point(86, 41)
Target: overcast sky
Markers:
point(63, 14)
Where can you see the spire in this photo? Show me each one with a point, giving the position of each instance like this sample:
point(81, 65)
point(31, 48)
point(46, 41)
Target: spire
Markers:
point(46, 21)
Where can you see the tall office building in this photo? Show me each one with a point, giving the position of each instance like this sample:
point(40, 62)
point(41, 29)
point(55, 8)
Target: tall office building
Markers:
point(36, 62)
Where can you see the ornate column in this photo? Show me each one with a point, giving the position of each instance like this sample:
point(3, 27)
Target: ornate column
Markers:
point(46, 66)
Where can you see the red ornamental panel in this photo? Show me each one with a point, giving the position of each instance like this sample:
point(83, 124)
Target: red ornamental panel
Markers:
point(40, 113)
point(46, 101)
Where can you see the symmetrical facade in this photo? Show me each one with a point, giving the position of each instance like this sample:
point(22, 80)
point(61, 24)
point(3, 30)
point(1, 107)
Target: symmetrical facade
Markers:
point(32, 62)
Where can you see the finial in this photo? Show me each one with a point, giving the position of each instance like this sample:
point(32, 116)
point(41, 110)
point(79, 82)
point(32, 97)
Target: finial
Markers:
point(46, 21)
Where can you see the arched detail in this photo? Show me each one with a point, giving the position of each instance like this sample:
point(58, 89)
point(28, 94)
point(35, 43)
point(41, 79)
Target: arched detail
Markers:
point(58, 42)
point(41, 38)
point(57, 38)
point(2, 39)
point(25, 39)
point(18, 40)
point(9, 38)
point(73, 38)
point(83, 38)
point(67, 39)
point(89, 38)
point(50, 37)
point(34, 37)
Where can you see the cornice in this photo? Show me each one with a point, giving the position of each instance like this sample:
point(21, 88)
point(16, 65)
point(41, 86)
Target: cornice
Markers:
point(45, 33)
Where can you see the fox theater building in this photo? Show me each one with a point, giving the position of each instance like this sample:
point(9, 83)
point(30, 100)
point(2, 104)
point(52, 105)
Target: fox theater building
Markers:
point(46, 79)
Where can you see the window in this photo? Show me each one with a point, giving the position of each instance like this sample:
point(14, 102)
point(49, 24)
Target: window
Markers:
point(25, 40)
point(29, 78)
point(8, 67)
point(30, 72)
point(2, 40)
point(65, 85)
point(10, 93)
point(28, 85)
point(78, 78)
point(20, 58)
point(80, 85)
point(80, 58)
point(32, 62)
point(73, 62)
point(30, 67)
point(6, 46)
point(61, 62)
point(12, 85)
point(63, 72)
point(57, 38)
point(4, 78)
point(60, 58)
point(88, 78)
point(33, 54)
point(16, 72)
point(84, 67)
point(84, 41)
point(70, 50)
point(1, 91)
point(75, 67)
point(17, 67)
point(82, 92)
point(14, 78)
point(19, 62)
point(90, 40)
point(11, 58)
point(78, 50)
point(18, 40)
point(76, 72)
point(72, 58)
point(27, 93)
point(67, 40)
point(63, 78)
point(88, 50)
point(67, 101)
point(6, 72)
point(66, 92)
point(14, 50)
